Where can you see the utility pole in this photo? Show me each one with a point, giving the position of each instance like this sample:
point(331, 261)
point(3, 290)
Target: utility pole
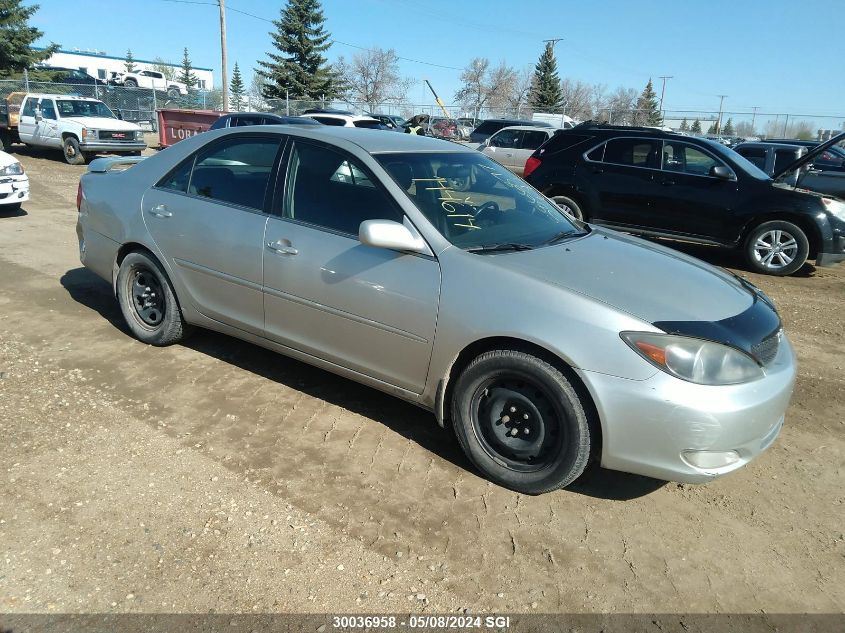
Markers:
point(664, 78)
point(719, 122)
point(223, 55)
point(553, 41)
point(754, 117)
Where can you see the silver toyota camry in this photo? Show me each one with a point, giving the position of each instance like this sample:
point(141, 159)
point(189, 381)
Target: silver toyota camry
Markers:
point(426, 270)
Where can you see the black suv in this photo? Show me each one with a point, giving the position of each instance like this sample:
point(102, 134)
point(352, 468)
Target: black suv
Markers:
point(489, 127)
point(648, 182)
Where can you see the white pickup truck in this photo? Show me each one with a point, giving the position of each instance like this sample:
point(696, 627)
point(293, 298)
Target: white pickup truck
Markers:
point(149, 79)
point(78, 126)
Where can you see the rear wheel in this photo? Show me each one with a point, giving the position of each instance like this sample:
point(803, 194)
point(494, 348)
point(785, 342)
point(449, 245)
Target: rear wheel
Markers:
point(520, 421)
point(777, 248)
point(568, 205)
point(148, 302)
point(73, 155)
point(130, 83)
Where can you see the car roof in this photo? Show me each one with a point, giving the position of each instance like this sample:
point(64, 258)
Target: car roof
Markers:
point(532, 128)
point(41, 95)
point(342, 117)
point(371, 141)
point(767, 144)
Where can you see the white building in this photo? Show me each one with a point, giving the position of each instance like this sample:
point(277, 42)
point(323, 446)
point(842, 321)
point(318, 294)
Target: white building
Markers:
point(98, 64)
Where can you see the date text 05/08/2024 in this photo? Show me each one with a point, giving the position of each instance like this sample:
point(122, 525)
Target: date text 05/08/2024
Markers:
point(421, 621)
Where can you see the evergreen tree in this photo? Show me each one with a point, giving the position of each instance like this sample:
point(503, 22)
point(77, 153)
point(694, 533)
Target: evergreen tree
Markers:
point(298, 65)
point(17, 37)
point(129, 64)
point(714, 128)
point(648, 112)
point(185, 75)
point(546, 95)
point(236, 87)
point(696, 127)
point(684, 125)
point(729, 128)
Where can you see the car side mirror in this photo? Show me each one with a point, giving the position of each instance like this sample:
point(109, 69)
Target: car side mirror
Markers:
point(118, 113)
point(390, 235)
point(38, 116)
point(487, 142)
point(721, 172)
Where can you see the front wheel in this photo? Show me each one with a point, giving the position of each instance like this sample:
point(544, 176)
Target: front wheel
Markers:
point(130, 83)
point(148, 302)
point(776, 248)
point(569, 206)
point(520, 421)
point(73, 155)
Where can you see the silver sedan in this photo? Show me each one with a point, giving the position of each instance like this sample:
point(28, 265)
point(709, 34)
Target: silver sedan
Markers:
point(426, 270)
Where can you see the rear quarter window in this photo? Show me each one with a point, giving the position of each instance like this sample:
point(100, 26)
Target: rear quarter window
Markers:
point(563, 141)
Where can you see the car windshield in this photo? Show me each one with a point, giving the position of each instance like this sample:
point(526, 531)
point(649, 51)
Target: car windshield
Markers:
point(475, 203)
point(68, 107)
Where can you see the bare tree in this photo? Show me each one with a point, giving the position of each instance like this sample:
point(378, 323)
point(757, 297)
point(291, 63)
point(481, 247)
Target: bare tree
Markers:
point(168, 70)
point(372, 77)
point(473, 91)
point(486, 87)
point(520, 88)
point(619, 106)
point(577, 98)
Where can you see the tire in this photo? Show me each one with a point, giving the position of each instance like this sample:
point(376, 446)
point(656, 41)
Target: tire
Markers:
point(155, 316)
point(130, 83)
point(568, 205)
point(776, 248)
point(10, 208)
point(505, 393)
point(5, 142)
point(173, 93)
point(73, 155)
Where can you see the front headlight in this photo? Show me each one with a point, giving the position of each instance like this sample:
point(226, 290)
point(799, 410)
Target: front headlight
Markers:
point(15, 169)
point(139, 135)
point(694, 360)
point(835, 207)
point(88, 134)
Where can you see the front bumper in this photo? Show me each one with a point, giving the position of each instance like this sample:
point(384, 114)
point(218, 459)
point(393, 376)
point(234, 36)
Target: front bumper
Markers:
point(14, 189)
point(651, 427)
point(113, 147)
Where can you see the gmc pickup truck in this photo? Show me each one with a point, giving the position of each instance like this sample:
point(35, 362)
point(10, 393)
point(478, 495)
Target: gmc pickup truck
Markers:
point(78, 126)
point(775, 158)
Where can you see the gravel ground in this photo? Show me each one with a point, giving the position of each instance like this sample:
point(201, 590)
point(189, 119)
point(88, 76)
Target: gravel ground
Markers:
point(217, 476)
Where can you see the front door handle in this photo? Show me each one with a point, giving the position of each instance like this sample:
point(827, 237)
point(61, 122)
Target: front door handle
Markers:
point(667, 183)
point(160, 211)
point(281, 248)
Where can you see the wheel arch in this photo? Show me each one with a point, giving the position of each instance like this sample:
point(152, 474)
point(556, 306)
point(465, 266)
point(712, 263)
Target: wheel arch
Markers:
point(66, 135)
point(123, 251)
point(805, 223)
point(480, 346)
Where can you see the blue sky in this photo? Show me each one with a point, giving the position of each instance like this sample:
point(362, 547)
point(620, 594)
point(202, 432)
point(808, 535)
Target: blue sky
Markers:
point(779, 55)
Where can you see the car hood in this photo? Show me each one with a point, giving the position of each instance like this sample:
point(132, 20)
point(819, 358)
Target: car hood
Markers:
point(6, 159)
point(809, 156)
point(102, 123)
point(646, 280)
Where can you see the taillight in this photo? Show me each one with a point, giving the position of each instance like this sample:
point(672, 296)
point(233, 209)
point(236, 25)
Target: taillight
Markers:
point(530, 165)
point(79, 196)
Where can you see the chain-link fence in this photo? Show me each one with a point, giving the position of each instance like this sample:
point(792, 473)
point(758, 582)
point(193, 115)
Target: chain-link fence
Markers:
point(140, 105)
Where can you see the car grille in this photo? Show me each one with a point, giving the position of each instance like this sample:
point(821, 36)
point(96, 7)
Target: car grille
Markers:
point(107, 135)
point(766, 350)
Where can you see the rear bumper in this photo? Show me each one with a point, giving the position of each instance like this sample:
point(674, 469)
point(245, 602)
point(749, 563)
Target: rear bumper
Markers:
point(663, 427)
point(117, 148)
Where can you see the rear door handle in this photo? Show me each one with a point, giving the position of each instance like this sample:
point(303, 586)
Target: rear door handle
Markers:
point(282, 249)
point(160, 211)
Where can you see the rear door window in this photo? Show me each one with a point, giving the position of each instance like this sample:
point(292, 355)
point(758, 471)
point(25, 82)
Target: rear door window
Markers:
point(236, 171)
point(533, 139)
point(784, 157)
point(636, 152)
point(29, 107)
point(755, 155)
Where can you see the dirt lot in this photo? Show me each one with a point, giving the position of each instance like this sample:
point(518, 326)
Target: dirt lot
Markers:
point(217, 476)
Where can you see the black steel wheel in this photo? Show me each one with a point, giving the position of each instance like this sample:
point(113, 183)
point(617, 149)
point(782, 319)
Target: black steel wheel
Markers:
point(148, 301)
point(521, 422)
